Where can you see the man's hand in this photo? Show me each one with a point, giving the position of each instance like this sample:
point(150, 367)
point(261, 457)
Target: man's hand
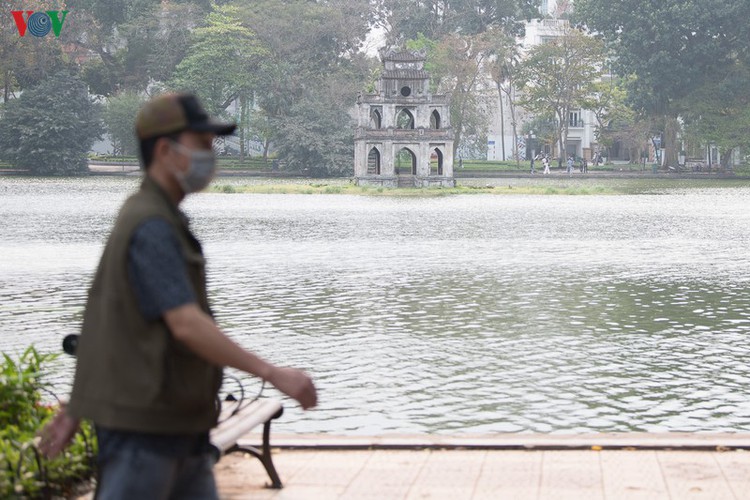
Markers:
point(57, 434)
point(197, 330)
point(296, 384)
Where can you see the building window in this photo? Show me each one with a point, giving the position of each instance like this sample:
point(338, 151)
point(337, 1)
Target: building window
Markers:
point(574, 119)
point(435, 120)
point(375, 118)
point(404, 119)
point(373, 162)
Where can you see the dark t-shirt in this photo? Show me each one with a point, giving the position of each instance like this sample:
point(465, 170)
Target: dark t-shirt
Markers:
point(156, 268)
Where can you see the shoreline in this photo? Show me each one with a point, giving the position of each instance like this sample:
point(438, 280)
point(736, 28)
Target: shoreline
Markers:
point(684, 441)
point(501, 183)
point(131, 169)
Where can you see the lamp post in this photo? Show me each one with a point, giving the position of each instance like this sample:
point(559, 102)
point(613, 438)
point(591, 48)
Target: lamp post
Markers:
point(532, 148)
point(532, 142)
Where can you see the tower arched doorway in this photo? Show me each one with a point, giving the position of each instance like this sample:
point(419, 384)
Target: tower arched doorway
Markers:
point(375, 119)
point(405, 120)
point(435, 120)
point(406, 162)
point(373, 162)
point(436, 162)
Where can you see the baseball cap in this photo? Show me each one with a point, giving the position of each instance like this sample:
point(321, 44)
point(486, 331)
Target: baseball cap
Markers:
point(176, 112)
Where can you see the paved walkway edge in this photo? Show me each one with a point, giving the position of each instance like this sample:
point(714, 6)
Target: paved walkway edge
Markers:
point(614, 441)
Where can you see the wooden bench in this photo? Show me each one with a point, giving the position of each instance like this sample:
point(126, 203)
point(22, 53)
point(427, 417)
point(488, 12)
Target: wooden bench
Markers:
point(236, 419)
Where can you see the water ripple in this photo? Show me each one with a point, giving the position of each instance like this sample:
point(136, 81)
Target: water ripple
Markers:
point(470, 314)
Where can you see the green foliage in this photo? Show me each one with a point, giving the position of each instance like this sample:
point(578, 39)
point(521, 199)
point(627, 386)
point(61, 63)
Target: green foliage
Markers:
point(133, 42)
point(557, 77)
point(313, 37)
point(607, 99)
point(456, 66)
point(430, 47)
point(404, 19)
point(119, 117)
point(544, 127)
point(221, 61)
point(23, 472)
point(26, 61)
point(50, 128)
point(316, 134)
point(672, 46)
point(309, 80)
point(719, 111)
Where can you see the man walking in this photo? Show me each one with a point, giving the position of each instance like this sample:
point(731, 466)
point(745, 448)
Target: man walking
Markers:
point(150, 356)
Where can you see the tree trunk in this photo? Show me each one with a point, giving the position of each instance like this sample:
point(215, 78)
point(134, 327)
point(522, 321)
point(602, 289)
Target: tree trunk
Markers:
point(6, 89)
point(243, 119)
point(502, 119)
point(671, 126)
point(560, 140)
point(726, 158)
point(514, 125)
point(457, 128)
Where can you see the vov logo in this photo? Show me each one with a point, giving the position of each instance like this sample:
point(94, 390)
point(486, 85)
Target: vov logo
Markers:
point(39, 23)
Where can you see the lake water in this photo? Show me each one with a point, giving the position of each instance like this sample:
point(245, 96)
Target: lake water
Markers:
point(463, 314)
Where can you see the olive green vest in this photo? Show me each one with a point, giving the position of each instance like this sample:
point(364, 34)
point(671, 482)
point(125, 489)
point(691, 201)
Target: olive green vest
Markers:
point(131, 373)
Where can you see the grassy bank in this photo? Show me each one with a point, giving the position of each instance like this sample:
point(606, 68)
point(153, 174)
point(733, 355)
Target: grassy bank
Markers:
point(255, 163)
point(322, 188)
point(506, 186)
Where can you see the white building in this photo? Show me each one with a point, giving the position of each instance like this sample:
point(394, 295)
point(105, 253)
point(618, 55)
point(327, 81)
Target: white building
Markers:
point(581, 140)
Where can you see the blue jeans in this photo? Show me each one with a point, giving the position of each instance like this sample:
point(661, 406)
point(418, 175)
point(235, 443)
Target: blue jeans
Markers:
point(142, 466)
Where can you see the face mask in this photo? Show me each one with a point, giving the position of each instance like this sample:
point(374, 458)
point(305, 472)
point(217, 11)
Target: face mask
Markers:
point(200, 170)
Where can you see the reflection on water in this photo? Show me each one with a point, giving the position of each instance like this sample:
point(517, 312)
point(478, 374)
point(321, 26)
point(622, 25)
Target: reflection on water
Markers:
point(470, 314)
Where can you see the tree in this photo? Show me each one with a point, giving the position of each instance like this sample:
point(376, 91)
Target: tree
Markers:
point(455, 64)
point(130, 44)
point(405, 19)
point(719, 112)
point(221, 65)
point(608, 102)
point(119, 117)
point(50, 128)
point(673, 47)
point(309, 36)
point(310, 79)
point(221, 62)
point(28, 60)
point(633, 130)
point(557, 77)
point(316, 136)
point(544, 128)
point(504, 60)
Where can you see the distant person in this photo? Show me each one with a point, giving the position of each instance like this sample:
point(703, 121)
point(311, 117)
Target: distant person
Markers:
point(570, 165)
point(545, 162)
point(150, 355)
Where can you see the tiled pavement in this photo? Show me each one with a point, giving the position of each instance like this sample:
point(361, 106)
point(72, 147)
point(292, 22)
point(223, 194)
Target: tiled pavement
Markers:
point(554, 474)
